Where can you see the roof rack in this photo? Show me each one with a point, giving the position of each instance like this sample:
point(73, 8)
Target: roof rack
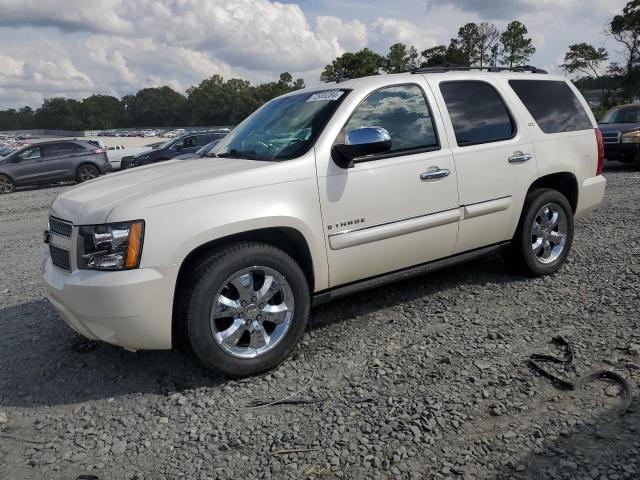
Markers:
point(462, 68)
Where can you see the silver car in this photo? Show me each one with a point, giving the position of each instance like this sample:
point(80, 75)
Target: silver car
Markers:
point(49, 162)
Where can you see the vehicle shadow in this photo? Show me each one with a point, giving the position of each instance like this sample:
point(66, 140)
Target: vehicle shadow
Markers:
point(612, 166)
point(603, 447)
point(45, 186)
point(43, 362)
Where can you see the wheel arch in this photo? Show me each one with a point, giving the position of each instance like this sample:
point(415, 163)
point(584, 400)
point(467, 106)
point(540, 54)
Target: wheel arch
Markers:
point(288, 239)
point(564, 182)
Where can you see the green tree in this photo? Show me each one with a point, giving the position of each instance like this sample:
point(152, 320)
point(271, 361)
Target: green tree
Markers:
point(516, 48)
point(401, 58)
point(155, 107)
point(587, 60)
point(101, 111)
point(443, 55)
point(353, 65)
point(59, 114)
point(465, 46)
point(624, 28)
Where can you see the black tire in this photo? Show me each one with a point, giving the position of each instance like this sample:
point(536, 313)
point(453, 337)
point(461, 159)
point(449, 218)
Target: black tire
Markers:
point(522, 244)
point(6, 185)
point(205, 282)
point(86, 172)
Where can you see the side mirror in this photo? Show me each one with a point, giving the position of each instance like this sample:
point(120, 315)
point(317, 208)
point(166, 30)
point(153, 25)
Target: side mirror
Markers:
point(361, 142)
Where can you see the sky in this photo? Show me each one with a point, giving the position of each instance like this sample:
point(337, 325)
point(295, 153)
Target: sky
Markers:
point(75, 48)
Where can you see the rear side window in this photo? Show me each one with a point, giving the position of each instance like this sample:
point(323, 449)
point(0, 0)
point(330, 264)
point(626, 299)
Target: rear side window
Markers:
point(477, 112)
point(552, 104)
point(403, 111)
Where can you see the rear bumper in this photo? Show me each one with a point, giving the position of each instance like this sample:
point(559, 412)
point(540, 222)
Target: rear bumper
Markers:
point(590, 196)
point(132, 309)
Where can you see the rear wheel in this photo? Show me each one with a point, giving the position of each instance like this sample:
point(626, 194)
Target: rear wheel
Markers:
point(246, 309)
point(87, 172)
point(6, 185)
point(545, 232)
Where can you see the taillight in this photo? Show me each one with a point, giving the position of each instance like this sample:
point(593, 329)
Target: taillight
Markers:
point(98, 151)
point(600, 151)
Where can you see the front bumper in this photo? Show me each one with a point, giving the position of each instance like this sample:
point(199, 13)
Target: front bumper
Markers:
point(590, 196)
point(622, 151)
point(131, 308)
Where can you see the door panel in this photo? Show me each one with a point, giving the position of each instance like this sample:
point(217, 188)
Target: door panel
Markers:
point(491, 187)
point(384, 214)
point(58, 163)
point(27, 169)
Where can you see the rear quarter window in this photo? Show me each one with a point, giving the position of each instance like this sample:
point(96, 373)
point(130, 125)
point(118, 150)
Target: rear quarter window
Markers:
point(477, 112)
point(552, 104)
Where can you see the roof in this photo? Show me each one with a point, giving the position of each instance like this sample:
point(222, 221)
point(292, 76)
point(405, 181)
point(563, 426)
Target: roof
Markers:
point(409, 77)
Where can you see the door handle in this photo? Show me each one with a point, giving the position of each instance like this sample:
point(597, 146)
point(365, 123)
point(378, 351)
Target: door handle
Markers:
point(519, 157)
point(435, 173)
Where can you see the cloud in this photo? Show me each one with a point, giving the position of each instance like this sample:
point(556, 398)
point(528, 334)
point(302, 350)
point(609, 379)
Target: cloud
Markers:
point(67, 15)
point(78, 47)
point(393, 30)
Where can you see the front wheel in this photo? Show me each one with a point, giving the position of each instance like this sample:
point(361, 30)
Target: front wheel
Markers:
point(246, 309)
point(545, 232)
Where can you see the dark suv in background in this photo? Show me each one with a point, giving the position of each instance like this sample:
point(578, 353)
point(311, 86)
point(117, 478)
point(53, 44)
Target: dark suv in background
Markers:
point(177, 146)
point(49, 162)
point(620, 129)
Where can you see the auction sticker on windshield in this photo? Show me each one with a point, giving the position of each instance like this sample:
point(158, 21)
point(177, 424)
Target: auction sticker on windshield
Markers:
point(325, 96)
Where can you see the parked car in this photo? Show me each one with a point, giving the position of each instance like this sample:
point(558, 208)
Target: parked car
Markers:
point(168, 150)
point(202, 152)
point(4, 151)
point(116, 153)
point(620, 128)
point(320, 193)
point(49, 162)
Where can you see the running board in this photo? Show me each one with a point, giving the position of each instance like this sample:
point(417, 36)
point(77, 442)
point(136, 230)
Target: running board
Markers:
point(374, 282)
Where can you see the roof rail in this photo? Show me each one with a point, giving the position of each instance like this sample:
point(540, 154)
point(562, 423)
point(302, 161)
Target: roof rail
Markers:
point(462, 68)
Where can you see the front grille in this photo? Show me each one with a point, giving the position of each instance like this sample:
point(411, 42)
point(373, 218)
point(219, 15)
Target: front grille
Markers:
point(611, 137)
point(60, 257)
point(60, 227)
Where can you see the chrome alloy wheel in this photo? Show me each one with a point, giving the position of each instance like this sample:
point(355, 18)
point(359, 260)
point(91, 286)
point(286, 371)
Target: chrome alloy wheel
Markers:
point(549, 233)
point(87, 173)
point(252, 312)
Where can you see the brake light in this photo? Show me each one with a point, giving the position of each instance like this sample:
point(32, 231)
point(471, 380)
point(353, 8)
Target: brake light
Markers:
point(98, 151)
point(600, 151)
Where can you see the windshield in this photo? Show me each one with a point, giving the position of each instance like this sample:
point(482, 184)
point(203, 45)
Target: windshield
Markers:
point(622, 115)
point(283, 128)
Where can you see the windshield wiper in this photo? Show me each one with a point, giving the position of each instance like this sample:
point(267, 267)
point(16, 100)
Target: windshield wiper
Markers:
point(248, 154)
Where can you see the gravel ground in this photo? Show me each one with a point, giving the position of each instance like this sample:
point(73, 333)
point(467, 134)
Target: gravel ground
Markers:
point(423, 379)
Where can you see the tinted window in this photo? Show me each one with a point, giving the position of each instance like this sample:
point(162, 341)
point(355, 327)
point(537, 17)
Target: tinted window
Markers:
point(477, 112)
point(403, 111)
point(552, 104)
point(63, 147)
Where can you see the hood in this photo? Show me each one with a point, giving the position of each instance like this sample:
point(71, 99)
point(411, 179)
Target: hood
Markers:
point(618, 127)
point(160, 183)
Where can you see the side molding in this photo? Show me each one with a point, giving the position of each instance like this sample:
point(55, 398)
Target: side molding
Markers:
point(389, 230)
point(485, 208)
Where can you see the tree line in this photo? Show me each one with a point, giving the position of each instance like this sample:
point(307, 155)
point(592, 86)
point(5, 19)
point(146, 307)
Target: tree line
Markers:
point(617, 81)
point(216, 101)
point(476, 45)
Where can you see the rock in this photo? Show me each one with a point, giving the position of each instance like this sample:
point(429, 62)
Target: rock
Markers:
point(3, 418)
point(482, 364)
point(634, 349)
point(612, 391)
point(119, 447)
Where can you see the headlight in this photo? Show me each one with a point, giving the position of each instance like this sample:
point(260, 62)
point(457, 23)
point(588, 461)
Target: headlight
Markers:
point(113, 246)
point(631, 137)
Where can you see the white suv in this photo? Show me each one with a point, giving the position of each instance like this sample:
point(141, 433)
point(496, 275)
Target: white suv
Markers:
point(319, 193)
